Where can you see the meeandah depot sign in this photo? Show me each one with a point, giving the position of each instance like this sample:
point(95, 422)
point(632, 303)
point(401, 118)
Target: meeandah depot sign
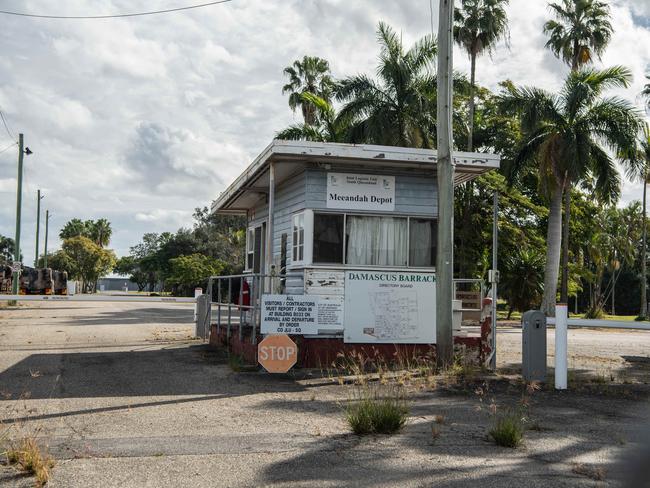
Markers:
point(360, 191)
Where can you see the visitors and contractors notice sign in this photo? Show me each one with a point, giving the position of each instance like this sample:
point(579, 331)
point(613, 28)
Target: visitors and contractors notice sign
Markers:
point(390, 307)
point(301, 314)
point(289, 314)
point(360, 192)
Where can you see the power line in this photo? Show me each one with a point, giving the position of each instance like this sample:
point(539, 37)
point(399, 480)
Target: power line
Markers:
point(135, 14)
point(4, 122)
point(9, 146)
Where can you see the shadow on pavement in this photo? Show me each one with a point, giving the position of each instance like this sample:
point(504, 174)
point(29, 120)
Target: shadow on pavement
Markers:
point(194, 370)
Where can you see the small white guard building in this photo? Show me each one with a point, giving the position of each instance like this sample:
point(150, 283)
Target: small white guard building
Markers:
point(351, 229)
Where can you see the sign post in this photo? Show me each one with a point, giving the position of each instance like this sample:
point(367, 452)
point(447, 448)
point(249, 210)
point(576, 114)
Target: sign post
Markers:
point(277, 353)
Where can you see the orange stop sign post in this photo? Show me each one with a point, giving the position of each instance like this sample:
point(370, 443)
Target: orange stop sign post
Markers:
point(277, 353)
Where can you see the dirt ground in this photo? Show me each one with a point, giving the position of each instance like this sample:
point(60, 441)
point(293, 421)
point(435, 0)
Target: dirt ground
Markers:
point(122, 396)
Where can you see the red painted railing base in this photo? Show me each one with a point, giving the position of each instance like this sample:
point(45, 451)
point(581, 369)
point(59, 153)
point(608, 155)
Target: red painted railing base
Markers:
point(321, 353)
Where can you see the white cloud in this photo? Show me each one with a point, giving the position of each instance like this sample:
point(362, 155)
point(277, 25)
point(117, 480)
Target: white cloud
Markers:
point(141, 120)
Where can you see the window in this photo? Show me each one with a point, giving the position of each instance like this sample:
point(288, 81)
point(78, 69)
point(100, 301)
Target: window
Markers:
point(298, 243)
point(250, 248)
point(370, 240)
point(376, 240)
point(328, 238)
point(422, 242)
point(255, 248)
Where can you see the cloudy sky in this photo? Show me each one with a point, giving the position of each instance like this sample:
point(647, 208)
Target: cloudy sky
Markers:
point(141, 120)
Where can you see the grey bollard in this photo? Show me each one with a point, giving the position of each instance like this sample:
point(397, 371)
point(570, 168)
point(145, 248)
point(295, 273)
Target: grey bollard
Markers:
point(533, 353)
point(202, 327)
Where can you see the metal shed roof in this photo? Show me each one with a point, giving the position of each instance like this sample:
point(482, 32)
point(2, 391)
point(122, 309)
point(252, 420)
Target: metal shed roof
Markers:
point(244, 192)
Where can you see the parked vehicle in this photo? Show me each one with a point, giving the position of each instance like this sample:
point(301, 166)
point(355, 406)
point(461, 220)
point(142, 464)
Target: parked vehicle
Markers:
point(5, 279)
point(60, 282)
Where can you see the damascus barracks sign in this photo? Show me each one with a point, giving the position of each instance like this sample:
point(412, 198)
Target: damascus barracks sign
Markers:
point(360, 192)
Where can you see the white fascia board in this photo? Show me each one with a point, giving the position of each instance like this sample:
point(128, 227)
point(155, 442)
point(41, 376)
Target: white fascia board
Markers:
point(359, 154)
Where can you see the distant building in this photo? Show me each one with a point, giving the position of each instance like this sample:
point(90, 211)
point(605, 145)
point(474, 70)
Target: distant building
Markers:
point(116, 283)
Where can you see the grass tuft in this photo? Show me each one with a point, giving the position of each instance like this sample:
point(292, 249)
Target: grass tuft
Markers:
point(508, 430)
point(27, 455)
point(373, 413)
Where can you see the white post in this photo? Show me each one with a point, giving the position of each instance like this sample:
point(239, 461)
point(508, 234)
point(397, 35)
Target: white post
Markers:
point(197, 293)
point(561, 359)
point(269, 230)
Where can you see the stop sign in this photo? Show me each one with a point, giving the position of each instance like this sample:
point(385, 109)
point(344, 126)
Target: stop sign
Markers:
point(277, 353)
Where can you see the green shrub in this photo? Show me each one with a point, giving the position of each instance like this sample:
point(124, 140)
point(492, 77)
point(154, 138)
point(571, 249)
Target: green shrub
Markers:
point(372, 413)
point(508, 430)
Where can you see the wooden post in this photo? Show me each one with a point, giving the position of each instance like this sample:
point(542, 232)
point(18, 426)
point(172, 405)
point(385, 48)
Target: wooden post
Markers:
point(445, 174)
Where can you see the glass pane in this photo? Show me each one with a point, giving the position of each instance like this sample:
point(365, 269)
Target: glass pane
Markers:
point(422, 243)
point(328, 238)
point(300, 254)
point(301, 236)
point(251, 240)
point(376, 240)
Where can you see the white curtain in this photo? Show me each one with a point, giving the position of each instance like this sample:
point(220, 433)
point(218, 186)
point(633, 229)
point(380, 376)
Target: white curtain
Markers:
point(377, 241)
point(421, 239)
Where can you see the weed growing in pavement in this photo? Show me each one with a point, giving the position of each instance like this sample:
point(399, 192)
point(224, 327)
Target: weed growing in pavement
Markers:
point(508, 428)
point(377, 409)
point(508, 423)
point(359, 367)
point(30, 459)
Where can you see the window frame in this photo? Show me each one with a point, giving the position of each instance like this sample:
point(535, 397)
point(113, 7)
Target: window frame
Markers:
point(309, 239)
point(307, 217)
point(250, 245)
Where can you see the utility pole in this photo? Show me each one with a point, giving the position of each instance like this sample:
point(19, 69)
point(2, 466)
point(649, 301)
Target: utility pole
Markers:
point(445, 175)
point(19, 203)
point(47, 226)
point(38, 224)
point(494, 276)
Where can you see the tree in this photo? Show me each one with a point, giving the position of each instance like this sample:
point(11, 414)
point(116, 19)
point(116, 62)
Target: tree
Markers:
point(398, 109)
point(646, 92)
point(611, 248)
point(328, 128)
point(311, 75)
point(74, 228)
point(478, 26)
point(640, 171)
point(88, 261)
point(129, 265)
point(581, 29)
point(99, 231)
point(58, 261)
point(188, 272)
point(565, 135)
point(6, 250)
point(523, 274)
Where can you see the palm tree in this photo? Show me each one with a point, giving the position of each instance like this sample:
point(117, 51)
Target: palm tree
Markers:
point(565, 135)
point(522, 279)
point(397, 109)
point(100, 231)
point(311, 75)
point(478, 26)
point(646, 91)
point(640, 170)
point(328, 127)
point(581, 29)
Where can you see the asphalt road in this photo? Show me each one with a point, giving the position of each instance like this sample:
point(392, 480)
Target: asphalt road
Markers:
point(124, 397)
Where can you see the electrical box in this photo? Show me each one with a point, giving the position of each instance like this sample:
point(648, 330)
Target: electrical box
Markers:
point(533, 354)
